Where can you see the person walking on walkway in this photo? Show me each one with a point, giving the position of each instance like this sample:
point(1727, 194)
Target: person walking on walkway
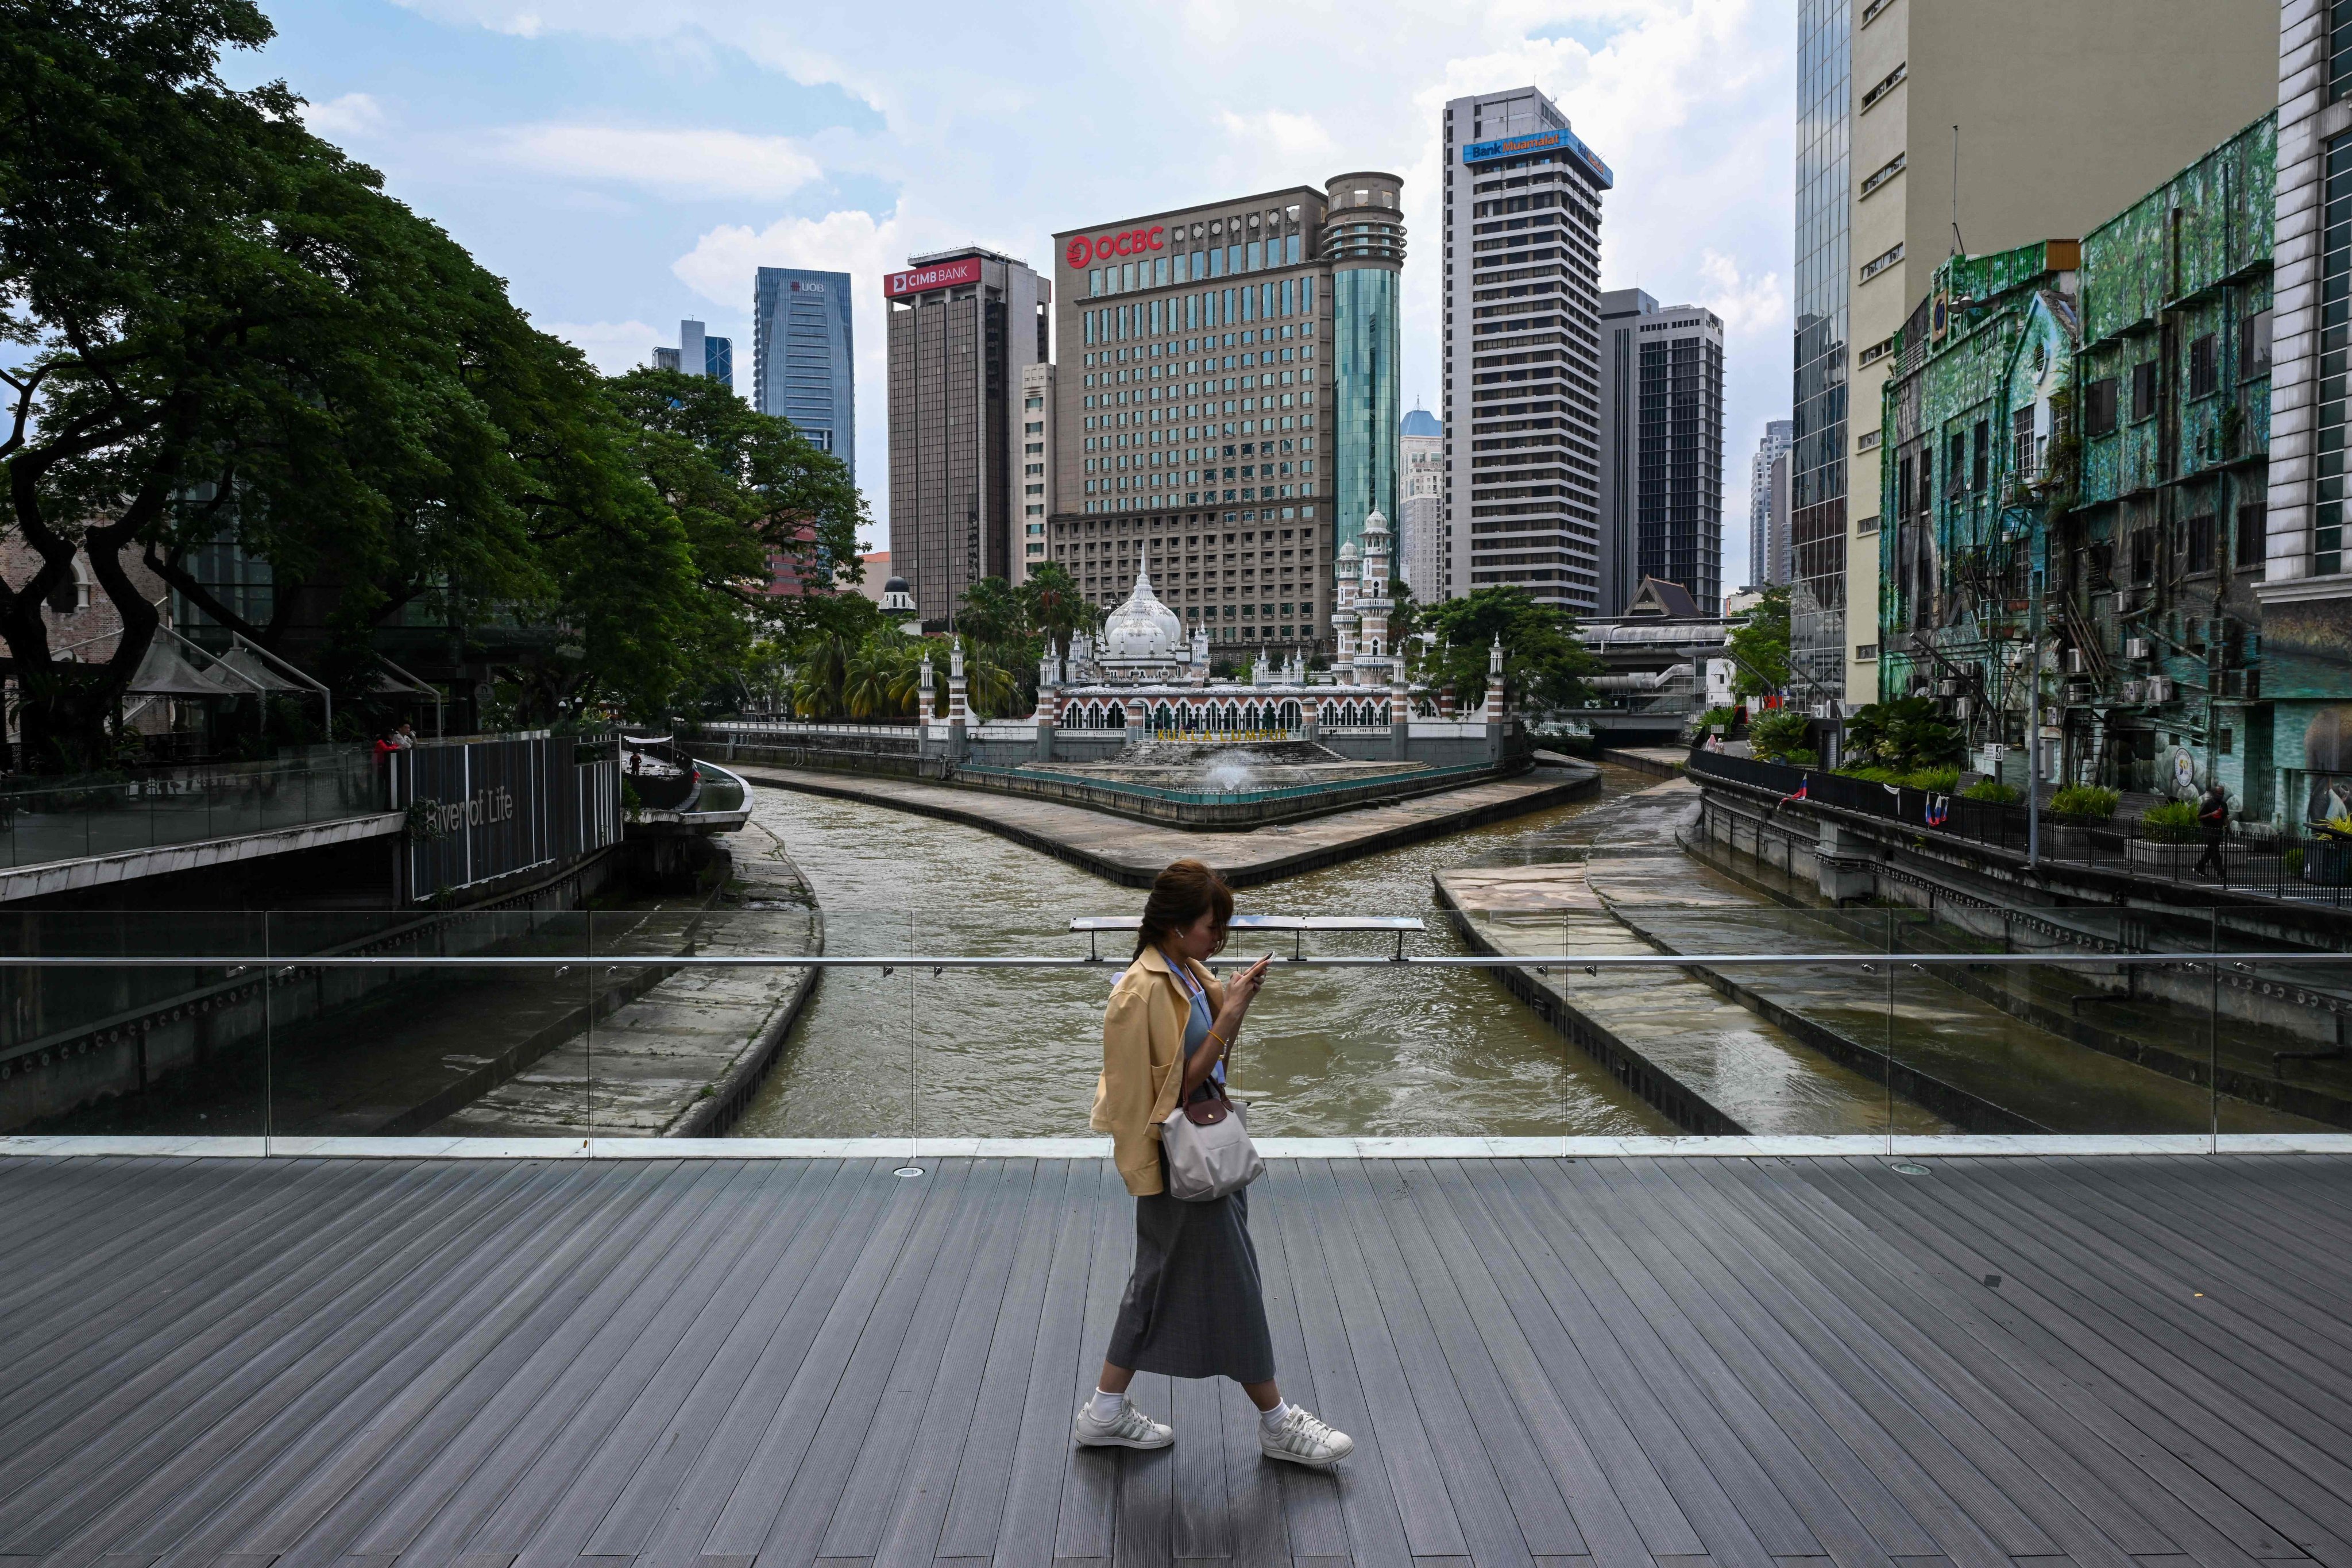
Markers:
point(2213, 821)
point(1194, 1305)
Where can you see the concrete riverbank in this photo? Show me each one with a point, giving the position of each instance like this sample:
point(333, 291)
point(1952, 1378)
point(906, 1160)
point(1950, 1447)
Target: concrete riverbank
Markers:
point(682, 1059)
point(1709, 1063)
point(1131, 854)
point(1947, 1054)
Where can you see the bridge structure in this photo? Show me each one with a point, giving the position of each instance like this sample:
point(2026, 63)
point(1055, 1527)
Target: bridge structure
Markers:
point(1634, 1356)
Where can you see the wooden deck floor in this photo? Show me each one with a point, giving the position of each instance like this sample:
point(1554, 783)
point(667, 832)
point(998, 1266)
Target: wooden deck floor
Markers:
point(2066, 1363)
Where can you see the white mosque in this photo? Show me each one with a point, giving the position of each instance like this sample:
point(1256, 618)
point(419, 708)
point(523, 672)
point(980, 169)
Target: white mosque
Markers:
point(1145, 676)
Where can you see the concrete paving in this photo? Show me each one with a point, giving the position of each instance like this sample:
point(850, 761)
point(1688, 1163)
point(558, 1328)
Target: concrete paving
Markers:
point(644, 1069)
point(1132, 853)
point(1754, 1075)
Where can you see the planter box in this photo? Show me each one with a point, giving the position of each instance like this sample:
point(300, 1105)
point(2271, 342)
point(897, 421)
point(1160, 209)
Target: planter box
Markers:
point(2178, 861)
point(2326, 864)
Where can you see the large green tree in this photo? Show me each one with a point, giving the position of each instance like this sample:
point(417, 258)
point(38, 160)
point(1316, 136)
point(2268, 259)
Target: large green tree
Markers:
point(1544, 662)
point(1759, 645)
point(227, 332)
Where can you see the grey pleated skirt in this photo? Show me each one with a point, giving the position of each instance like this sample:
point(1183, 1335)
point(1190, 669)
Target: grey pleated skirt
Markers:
point(1194, 1306)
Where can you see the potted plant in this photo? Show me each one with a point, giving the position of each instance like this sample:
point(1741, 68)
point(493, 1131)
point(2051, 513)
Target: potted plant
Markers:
point(2168, 842)
point(2325, 858)
point(2075, 811)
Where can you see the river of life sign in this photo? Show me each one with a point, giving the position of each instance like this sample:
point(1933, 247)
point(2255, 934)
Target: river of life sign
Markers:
point(482, 809)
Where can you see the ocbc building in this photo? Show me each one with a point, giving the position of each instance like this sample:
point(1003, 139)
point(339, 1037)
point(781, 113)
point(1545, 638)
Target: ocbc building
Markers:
point(1202, 411)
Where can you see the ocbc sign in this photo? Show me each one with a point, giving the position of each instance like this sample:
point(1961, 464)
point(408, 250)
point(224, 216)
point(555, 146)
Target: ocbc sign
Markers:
point(1104, 247)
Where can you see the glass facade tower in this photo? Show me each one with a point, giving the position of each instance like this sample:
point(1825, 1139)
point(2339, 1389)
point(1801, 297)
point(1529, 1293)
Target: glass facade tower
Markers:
point(1817, 467)
point(801, 355)
point(1365, 337)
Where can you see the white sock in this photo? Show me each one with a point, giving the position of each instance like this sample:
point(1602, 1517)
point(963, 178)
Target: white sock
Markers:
point(1277, 1416)
point(1105, 1407)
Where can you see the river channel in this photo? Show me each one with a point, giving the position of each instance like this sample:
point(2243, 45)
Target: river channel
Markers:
point(1014, 1053)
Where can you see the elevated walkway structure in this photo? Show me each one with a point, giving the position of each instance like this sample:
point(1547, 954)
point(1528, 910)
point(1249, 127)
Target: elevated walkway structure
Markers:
point(1626, 1361)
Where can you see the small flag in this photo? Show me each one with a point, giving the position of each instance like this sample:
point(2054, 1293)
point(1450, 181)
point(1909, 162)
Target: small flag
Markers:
point(1939, 810)
point(1803, 785)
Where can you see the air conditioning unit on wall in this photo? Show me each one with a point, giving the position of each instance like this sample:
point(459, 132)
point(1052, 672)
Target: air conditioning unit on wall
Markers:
point(2134, 647)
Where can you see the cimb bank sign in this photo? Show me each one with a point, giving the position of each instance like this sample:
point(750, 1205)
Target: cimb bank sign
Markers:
point(490, 807)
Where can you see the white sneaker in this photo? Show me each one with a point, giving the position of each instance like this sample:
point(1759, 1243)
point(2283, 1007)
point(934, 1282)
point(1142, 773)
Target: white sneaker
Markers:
point(1131, 1428)
point(1303, 1439)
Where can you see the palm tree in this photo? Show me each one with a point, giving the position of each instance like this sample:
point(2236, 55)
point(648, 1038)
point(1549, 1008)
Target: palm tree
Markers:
point(816, 683)
point(1054, 607)
point(866, 679)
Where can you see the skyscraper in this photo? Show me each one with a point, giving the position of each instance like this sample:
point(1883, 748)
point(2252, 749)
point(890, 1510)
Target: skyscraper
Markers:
point(1926, 129)
point(1218, 381)
point(1661, 448)
point(1768, 527)
point(698, 353)
point(1421, 443)
point(803, 364)
point(964, 326)
point(1522, 269)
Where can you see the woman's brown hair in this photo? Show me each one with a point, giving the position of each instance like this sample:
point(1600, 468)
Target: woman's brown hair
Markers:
point(1181, 895)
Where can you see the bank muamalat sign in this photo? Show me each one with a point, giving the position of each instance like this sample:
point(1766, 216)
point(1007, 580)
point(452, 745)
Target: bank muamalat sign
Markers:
point(1083, 250)
point(923, 279)
point(483, 809)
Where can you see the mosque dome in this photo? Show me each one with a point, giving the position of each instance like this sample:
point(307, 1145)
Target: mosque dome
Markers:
point(1348, 552)
point(1375, 522)
point(1142, 631)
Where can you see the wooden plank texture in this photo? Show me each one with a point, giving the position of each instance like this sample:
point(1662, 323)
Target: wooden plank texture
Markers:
point(2133, 1361)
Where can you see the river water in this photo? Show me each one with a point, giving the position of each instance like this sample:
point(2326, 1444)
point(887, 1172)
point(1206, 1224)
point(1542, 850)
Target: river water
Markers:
point(1014, 1053)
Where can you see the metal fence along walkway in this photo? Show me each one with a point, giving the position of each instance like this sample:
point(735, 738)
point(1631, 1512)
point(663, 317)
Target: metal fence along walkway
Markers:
point(2073, 1363)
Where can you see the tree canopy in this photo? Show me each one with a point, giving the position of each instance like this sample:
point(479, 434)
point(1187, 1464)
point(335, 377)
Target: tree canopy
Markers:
point(1544, 663)
point(1759, 646)
point(227, 332)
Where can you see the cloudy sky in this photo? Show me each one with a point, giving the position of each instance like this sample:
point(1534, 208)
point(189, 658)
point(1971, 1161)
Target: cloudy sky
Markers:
point(625, 164)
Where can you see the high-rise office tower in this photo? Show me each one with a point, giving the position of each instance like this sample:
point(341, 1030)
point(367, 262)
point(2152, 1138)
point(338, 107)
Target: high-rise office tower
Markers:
point(1522, 389)
point(1033, 440)
point(803, 364)
point(1767, 540)
point(1225, 365)
point(1661, 448)
point(1421, 449)
point(698, 353)
point(1896, 99)
point(1363, 241)
point(964, 326)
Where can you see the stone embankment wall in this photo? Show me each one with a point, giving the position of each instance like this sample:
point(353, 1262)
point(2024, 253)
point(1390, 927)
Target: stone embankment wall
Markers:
point(92, 1034)
point(1804, 855)
point(682, 1056)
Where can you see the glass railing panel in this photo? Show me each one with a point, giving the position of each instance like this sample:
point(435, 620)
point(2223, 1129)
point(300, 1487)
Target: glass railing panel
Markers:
point(841, 1070)
point(94, 1044)
point(420, 1024)
point(2067, 1046)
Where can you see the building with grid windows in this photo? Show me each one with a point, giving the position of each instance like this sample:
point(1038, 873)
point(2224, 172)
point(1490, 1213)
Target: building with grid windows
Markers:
point(1214, 374)
point(1522, 392)
point(1661, 449)
point(804, 359)
point(698, 353)
point(1034, 438)
point(1420, 444)
point(964, 328)
point(1926, 129)
point(1767, 506)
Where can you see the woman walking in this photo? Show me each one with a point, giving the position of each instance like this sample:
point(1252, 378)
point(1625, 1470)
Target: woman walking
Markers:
point(1194, 1306)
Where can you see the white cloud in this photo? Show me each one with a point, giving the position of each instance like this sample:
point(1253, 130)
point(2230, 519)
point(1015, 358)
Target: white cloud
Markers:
point(610, 346)
point(1277, 137)
point(1746, 304)
point(353, 114)
point(1000, 136)
point(674, 163)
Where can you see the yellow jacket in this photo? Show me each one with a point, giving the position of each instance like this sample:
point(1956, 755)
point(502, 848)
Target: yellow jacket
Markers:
point(1143, 1054)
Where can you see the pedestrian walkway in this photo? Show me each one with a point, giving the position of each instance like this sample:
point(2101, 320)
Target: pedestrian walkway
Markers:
point(2088, 1363)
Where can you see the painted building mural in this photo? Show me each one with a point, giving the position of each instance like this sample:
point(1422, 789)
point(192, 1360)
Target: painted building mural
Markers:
point(2073, 473)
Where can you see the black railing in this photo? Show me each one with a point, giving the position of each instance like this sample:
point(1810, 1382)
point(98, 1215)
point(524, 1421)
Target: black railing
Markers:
point(2299, 862)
